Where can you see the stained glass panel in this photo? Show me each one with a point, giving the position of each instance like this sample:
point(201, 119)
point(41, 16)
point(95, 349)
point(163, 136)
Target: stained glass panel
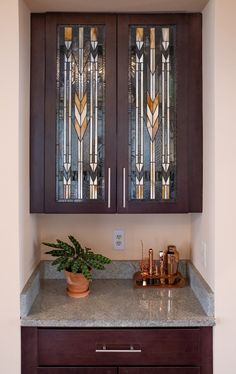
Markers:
point(152, 109)
point(80, 125)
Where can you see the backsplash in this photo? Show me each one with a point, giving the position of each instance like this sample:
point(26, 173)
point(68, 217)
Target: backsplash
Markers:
point(115, 270)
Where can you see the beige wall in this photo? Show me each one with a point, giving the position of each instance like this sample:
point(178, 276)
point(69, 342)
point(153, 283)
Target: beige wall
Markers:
point(18, 227)
point(29, 251)
point(203, 225)
point(216, 224)
point(225, 182)
point(9, 189)
point(156, 231)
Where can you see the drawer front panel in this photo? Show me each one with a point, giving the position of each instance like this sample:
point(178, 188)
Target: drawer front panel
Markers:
point(159, 370)
point(58, 347)
point(88, 370)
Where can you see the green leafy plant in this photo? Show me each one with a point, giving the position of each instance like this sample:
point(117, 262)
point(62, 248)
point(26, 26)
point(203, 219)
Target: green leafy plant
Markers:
point(76, 259)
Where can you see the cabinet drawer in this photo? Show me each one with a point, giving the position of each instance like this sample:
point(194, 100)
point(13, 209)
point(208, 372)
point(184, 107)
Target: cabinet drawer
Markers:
point(59, 347)
point(80, 370)
point(159, 370)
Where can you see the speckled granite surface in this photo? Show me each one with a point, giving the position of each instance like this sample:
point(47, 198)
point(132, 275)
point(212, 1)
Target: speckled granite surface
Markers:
point(118, 269)
point(30, 292)
point(115, 303)
point(201, 289)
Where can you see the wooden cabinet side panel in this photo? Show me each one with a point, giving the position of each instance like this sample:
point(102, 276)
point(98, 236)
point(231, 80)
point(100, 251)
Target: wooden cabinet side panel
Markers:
point(29, 350)
point(195, 129)
point(206, 350)
point(37, 92)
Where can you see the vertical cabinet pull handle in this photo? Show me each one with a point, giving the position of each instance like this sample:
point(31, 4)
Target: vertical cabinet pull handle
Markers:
point(124, 191)
point(109, 188)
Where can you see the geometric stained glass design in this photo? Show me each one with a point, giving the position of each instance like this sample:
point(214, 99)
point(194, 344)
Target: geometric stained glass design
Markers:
point(80, 120)
point(152, 113)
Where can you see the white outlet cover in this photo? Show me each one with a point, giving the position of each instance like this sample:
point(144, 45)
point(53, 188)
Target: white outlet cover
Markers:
point(119, 240)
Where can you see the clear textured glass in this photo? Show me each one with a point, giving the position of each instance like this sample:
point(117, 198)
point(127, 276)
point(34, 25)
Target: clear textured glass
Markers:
point(80, 117)
point(152, 113)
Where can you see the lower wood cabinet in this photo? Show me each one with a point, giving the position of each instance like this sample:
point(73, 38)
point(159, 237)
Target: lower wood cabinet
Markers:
point(121, 351)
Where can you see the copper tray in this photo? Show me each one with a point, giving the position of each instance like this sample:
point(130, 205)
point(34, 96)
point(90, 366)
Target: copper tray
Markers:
point(156, 281)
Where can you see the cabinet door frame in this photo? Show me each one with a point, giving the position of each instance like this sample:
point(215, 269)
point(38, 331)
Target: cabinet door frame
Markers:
point(37, 100)
point(48, 203)
point(160, 370)
point(188, 114)
point(77, 370)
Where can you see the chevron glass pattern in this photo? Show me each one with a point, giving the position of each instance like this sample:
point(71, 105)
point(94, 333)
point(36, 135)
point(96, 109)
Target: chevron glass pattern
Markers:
point(80, 124)
point(152, 113)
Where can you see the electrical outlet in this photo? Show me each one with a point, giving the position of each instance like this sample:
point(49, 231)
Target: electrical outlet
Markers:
point(119, 240)
point(204, 253)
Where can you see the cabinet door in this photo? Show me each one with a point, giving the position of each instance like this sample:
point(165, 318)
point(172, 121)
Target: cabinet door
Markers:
point(159, 114)
point(78, 370)
point(80, 115)
point(159, 370)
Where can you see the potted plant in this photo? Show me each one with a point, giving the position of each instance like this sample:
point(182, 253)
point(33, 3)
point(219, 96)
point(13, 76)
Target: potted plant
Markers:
point(77, 263)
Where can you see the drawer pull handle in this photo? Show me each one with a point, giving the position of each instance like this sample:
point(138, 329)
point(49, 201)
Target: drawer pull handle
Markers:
point(106, 349)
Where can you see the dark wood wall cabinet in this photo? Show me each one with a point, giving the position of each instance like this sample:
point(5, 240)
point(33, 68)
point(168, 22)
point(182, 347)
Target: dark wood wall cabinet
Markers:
point(116, 113)
point(123, 351)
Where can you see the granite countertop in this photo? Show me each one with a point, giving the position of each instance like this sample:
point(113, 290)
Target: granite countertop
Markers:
point(115, 303)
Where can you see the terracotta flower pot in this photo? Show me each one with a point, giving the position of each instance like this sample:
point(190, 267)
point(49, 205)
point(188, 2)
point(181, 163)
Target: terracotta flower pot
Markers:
point(77, 285)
